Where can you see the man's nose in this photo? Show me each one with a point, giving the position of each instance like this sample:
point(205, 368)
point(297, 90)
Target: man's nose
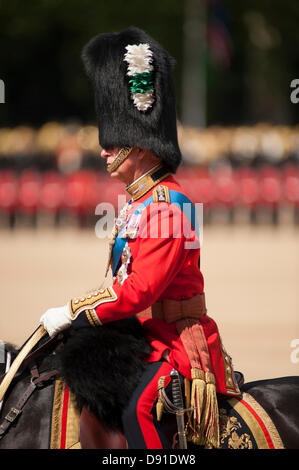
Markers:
point(104, 153)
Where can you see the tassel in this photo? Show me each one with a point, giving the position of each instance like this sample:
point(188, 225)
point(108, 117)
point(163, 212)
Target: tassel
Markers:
point(197, 403)
point(211, 414)
point(187, 388)
point(159, 405)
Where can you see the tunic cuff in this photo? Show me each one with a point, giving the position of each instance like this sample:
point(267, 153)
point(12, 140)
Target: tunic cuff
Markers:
point(82, 309)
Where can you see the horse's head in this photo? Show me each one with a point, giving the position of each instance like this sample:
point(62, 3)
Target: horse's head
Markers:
point(8, 352)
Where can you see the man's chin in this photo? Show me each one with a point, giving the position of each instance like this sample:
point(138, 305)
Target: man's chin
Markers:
point(114, 170)
point(117, 176)
point(108, 168)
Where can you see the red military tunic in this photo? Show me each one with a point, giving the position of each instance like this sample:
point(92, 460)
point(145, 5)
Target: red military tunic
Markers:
point(154, 268)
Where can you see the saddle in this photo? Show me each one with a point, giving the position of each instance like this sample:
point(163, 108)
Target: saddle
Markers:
point(70, 429)
point(95, 435)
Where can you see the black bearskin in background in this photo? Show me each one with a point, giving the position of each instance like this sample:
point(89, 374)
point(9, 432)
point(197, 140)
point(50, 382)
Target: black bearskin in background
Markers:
point(120, 122)
point(102, 366)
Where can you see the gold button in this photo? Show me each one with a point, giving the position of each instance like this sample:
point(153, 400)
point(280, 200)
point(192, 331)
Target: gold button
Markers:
point(82, 299)
point(76, 301)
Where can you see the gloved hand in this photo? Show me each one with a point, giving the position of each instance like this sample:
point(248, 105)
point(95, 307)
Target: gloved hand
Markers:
point(56, 319)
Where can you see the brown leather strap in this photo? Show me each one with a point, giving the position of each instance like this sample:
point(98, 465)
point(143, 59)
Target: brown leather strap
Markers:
point(45, 347)
point(171, 310)
point(23, 353)
point(50, 343)
point(17, 409)
point(34, 371)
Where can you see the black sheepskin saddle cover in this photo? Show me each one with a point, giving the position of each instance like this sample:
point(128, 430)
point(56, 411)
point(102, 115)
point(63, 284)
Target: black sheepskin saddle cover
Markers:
point(102, 366)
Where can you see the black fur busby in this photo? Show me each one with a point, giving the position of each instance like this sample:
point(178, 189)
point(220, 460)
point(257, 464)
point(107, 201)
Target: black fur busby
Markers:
point(134, 93)
point(102, 366)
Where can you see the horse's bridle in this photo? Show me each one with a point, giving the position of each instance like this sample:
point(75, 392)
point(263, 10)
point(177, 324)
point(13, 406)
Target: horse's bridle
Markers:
point(16, 410)
point(24, 358)
point(25, 350)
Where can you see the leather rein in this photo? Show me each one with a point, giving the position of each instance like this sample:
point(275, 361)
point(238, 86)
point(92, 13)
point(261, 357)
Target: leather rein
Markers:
point(37, 380)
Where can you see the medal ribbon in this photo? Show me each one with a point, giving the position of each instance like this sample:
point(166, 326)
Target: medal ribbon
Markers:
point(176, 198)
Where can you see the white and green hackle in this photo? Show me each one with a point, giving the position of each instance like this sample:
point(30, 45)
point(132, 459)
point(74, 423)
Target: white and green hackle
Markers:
point(139, 58)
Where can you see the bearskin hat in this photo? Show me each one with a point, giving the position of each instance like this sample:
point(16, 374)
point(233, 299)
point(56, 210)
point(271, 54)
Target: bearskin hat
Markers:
point(134, 93)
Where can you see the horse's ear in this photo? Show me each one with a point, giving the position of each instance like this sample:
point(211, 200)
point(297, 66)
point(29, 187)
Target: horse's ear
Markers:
point(11, 348)
point(8, 353)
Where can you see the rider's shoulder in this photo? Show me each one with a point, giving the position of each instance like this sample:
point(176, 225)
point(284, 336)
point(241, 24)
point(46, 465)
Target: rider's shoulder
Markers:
point(169, 191)
point(161, 193)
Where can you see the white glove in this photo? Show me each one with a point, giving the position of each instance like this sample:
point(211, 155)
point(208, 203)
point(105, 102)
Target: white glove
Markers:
point(56, 319)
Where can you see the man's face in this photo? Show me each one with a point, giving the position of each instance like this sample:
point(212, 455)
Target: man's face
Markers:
point(125, 172)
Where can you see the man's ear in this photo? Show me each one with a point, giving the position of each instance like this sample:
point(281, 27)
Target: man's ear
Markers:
point(140, 154)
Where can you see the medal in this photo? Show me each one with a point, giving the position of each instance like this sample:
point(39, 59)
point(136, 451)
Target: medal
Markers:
point(118, 225)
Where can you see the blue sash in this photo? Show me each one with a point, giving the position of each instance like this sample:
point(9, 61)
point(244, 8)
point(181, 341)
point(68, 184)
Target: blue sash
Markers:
point(176, 198)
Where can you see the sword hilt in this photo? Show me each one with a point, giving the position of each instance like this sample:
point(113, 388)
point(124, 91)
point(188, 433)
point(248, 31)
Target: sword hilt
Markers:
point(177, 398)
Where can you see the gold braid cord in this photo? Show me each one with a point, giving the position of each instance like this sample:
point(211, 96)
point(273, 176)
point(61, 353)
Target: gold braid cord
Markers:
point(121, 156)
point(160, 404)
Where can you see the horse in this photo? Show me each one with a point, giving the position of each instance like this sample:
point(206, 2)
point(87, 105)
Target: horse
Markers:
point(101, 367)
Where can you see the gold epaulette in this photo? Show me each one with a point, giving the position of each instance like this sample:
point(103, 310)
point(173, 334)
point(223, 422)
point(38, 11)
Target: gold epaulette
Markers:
point(161, 194)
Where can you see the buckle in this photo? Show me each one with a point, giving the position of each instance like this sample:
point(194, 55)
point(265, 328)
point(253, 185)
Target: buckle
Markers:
point(12, 414)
